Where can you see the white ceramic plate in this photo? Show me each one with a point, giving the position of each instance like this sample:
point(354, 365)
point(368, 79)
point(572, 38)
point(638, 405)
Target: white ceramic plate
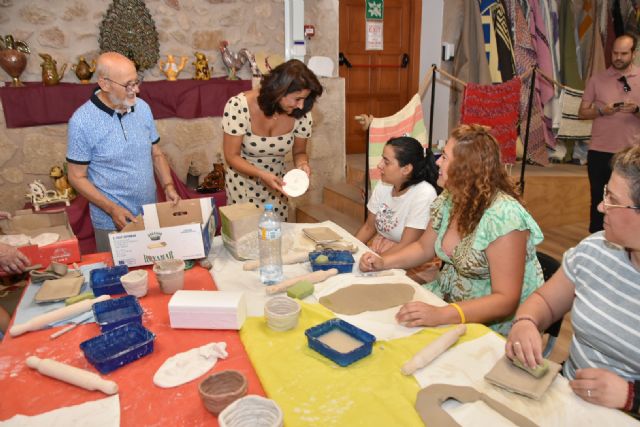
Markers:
point(296, 182)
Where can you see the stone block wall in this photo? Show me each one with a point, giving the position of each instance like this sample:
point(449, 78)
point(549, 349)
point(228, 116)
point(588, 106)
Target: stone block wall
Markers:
point(68, 29)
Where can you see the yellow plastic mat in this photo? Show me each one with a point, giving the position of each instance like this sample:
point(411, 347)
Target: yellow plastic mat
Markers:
point(313, 390)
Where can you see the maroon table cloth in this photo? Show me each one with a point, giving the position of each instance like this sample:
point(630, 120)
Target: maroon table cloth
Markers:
point(36, 104)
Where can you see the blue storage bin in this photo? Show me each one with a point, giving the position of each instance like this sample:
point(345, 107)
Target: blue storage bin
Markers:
point(342, 359)
point(117, 347)
point(116, 312)
point(106, 281)
point(341, 260)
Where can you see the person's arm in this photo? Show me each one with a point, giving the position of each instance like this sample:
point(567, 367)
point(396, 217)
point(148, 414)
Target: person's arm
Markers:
point(546, 305)
point(591, 111)
point(506, 256)
point(231, 147)
point(12, 260)
point(368, 229)
point(299, 154)
point(409, 235)
point(413, 254)
point(79, 180)
point(163, 172)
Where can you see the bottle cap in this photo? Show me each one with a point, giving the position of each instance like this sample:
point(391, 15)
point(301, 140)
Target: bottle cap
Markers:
point(268, 207)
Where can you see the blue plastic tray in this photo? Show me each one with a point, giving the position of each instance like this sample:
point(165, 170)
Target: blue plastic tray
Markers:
point(342, 359)
point(116, 312)
point(341, 260)
point(122, 345)
point(106, 281)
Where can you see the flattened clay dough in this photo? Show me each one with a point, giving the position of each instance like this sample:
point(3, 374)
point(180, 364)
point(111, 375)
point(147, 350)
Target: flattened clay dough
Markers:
point(430, 399)
point(356, 299)
point(189, 365)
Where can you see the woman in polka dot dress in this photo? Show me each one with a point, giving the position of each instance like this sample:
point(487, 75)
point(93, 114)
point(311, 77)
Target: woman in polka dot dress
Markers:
point(260, 127)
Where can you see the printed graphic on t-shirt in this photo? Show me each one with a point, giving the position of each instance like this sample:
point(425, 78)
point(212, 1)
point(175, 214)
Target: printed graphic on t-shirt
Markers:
point(386, 219)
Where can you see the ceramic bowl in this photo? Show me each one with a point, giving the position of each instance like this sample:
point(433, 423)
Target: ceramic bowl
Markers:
point(251, 411)
point(136, 282)
point(282, 313)
point(221, 389)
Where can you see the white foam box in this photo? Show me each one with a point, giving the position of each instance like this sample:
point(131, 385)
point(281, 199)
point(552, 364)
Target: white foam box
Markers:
point(207, 310)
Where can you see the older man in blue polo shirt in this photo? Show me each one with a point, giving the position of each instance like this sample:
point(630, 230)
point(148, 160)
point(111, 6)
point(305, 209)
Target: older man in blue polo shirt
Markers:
point(112, 150)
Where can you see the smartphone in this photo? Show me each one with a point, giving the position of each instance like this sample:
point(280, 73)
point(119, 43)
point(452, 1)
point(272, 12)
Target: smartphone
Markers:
point(618, 104)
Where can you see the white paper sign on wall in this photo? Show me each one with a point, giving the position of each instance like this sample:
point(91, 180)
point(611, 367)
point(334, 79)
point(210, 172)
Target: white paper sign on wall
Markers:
point(375, 38)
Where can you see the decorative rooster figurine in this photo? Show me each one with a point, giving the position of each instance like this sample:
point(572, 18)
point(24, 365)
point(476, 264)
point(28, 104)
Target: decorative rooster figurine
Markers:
point(235, 61)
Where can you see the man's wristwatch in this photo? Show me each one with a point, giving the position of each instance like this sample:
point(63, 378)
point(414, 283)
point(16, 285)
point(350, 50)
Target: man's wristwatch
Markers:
point(599, 110)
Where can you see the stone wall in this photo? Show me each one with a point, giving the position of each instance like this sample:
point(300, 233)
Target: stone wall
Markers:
point(68, 29)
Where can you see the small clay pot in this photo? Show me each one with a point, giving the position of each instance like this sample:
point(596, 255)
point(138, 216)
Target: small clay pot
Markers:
point(136, 283)
point(170, 274)
point(251, 411)
point(282, 313)
point(221, 389)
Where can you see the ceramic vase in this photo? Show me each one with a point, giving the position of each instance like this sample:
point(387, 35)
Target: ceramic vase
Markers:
point(13, 62)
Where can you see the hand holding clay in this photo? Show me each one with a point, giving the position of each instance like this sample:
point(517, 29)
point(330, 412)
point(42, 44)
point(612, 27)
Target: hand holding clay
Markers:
point(525, 343)
point(12, 260)
point(433, 350)
point(371, 262)
point(72, 375)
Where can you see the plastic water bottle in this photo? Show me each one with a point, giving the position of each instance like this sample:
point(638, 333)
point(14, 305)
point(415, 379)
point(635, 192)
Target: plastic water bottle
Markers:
point(270, 243)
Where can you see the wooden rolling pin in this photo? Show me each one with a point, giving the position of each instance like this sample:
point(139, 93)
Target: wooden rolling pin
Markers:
point(433, 350)
point(43, 320)
point(291, 258)
point(315, 277)
point(72, 375)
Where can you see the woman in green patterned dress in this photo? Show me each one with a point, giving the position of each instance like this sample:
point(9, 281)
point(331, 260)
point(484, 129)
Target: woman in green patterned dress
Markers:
point(484, 236)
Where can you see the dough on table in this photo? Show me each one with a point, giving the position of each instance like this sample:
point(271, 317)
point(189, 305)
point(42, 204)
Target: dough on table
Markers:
point(44, 239)
point(356, 299)
point(189, 365)
point(14, 239)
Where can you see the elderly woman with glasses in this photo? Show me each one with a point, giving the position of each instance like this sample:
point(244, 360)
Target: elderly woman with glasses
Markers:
point(481, 232)
point(600, 283)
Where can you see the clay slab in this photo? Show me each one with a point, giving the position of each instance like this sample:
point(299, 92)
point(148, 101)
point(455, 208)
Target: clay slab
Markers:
point(59, 289)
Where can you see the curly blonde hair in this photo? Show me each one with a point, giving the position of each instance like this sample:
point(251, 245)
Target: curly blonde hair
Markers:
point(475, 175)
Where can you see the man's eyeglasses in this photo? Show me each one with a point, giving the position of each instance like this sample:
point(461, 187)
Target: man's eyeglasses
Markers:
point(130, 86)
point(606, 201)
point(625, 84)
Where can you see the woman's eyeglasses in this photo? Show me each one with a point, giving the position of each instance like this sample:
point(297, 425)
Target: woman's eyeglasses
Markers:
point(625, 84)
point(606, 201)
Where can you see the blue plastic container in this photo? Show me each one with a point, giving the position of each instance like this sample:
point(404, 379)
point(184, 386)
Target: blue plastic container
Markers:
point(106, 281)
point(341, 260)
point(116, 312)
point(342, 359)
point(122, 345)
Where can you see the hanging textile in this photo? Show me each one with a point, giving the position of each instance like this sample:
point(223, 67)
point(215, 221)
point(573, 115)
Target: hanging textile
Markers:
point(409, 121)
point(584, 19)
point(569, 73)
point(497, 39)
point(470, 61)
point(571, 127)
point(525, 58)
point(497, 106)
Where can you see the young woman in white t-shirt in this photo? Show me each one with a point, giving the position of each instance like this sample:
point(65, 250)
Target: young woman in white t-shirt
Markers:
point(400, 203)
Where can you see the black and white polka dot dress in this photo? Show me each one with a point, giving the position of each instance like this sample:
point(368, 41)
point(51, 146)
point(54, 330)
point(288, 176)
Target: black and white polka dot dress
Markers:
point(266, 152)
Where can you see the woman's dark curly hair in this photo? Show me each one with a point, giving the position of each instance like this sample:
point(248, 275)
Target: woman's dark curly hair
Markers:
point(475, 175)
point(291, 76)
point(408, 150)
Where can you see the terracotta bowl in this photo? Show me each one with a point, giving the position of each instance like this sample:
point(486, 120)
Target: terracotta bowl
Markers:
point(222, 388)
point(251, 411)
point(282, 313)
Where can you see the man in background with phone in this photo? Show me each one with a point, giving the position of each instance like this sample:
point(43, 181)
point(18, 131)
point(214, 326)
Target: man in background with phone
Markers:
point(611, 99)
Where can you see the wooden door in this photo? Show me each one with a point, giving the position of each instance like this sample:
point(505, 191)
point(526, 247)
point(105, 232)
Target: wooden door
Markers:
point(376, 84)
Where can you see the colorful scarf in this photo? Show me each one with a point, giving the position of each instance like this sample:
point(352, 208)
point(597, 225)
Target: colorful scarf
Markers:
point(496, 106)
